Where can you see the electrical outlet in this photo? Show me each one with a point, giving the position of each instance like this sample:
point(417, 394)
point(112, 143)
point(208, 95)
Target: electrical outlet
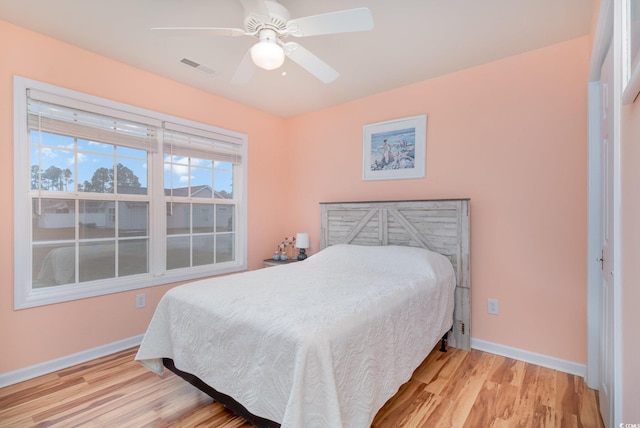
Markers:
point(141, 300)
point(492, 306)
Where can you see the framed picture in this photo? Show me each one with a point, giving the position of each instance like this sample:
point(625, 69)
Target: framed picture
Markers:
point(395, 149)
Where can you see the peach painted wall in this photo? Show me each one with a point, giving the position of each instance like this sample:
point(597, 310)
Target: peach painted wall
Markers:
point(37, 335)
point(630, 268)
point(510, 135)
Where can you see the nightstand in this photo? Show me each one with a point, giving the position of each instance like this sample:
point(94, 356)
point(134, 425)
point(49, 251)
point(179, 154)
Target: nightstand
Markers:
point(271, 262)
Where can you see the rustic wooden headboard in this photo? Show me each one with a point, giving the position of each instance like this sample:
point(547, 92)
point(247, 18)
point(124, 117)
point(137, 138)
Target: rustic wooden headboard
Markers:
point(438, 225)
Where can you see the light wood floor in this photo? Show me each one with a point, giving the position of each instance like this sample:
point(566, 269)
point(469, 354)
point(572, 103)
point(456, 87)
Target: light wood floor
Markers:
point(452, 389)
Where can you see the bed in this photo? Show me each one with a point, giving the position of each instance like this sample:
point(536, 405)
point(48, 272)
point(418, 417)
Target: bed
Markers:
point(327, 341)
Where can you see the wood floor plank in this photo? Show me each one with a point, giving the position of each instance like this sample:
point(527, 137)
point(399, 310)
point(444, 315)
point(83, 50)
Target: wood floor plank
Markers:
point(469, 376)
point(412, 407)
point(395, 410)
point(441, 415)
point(546, 387)
point(494, 402)
point(418, 414)
point(588, 405)
point(507, 370)
point(85, 401)
point(463, 403)
point(127, 404)
point(23, 388)
point(43, 402)
point(527, 398)
point(462, 390)
point(453, 389)
point(566, 397)
point(438, 368)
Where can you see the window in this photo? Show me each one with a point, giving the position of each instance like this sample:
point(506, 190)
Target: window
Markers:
point(110, 197)
point(198, 231)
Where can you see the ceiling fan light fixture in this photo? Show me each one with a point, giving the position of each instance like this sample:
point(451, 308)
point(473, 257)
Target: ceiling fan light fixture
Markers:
point(267, 54)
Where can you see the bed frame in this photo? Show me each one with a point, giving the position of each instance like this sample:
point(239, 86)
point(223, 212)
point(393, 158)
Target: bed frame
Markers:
point(438, 225)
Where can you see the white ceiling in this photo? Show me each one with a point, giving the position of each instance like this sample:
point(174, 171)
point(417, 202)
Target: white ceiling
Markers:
point(412, 40)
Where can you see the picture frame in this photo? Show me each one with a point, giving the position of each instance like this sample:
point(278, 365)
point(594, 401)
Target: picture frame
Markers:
point(395, 149)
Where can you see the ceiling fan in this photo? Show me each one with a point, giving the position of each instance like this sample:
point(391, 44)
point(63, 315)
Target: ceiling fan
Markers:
point(270, 23)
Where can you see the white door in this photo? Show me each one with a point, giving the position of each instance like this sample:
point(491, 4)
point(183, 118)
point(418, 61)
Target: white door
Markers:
point(606, 295)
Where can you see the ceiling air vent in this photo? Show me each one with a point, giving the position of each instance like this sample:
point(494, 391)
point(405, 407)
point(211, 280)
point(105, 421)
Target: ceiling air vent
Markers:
point(197, 66)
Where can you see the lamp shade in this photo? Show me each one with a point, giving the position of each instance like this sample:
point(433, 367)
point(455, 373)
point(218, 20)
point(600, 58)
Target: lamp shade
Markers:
point(267, 54)
point(302, 240)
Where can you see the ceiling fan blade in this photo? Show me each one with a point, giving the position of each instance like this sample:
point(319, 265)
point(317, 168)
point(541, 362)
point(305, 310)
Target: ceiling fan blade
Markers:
point(255, 7)
point(310, 62)
point(344, 21)
point(245, 70)
point(214, 31)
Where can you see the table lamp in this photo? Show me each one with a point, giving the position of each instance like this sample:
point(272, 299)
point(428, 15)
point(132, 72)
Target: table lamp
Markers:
point(302, 242)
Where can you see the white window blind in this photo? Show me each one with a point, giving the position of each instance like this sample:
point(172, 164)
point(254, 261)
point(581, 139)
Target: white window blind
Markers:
point(44, 114)
point(200, 144)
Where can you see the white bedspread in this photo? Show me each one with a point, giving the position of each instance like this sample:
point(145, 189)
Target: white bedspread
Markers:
point(320, 343)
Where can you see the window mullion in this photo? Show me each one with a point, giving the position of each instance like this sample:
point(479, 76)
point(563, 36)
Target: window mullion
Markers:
point(157, 212)
point(76, 243)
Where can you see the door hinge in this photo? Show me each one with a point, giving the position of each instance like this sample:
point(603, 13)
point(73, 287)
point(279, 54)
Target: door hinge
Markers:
point(462, 327)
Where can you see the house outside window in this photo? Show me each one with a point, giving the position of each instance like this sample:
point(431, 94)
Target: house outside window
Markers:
point(110, 197)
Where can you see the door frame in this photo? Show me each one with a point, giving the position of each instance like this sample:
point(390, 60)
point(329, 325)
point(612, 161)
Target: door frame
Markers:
point(594, 238)
point(608, 33)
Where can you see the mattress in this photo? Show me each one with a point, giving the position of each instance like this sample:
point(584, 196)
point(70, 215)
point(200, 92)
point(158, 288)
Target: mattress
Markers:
point(320, 343)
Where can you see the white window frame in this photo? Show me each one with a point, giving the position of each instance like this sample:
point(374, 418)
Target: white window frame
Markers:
point(25, 296)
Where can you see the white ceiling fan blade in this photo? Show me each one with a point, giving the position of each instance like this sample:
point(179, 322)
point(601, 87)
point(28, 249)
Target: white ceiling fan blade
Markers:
point(213, 31)
point(310, 62)
point(344, 21)
point(255, 7)
point(245, 70)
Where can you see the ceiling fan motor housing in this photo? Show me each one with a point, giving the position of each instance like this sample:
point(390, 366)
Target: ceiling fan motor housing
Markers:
point(277, 19)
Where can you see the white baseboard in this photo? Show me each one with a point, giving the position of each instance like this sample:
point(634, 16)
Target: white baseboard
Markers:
point(111, 348)
point(68, 361)
point(530, 357)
